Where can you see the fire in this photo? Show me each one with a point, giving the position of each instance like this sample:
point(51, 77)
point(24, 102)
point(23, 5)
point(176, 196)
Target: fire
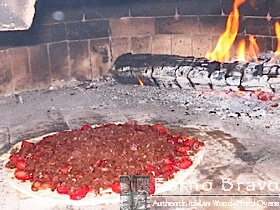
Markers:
point(277, 32)
point(222, 50)
point(241, 51)
point(253, 48)
point(140, 81)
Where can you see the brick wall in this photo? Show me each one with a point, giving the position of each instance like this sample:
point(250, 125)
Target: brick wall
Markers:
point(93, 33)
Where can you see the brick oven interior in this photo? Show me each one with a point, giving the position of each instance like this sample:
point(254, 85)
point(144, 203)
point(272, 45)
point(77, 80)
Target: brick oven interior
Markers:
point(56, 76)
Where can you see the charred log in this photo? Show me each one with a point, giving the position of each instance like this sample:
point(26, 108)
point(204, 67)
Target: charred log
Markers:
point(199, 73)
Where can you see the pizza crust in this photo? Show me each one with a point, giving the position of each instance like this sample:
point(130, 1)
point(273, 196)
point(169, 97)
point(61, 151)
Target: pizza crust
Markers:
point(107, 197)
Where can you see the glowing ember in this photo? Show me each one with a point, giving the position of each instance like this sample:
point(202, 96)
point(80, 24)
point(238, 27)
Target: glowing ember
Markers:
point(277, 32)
point(140, 81)
point(222, 50)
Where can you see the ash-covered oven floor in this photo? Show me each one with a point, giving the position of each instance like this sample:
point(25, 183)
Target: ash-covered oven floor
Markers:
point(241, 134)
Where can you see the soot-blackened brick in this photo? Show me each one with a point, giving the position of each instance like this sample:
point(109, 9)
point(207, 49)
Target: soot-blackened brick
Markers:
point(255, 26)
point(87, 30)
point(80, 65)
point(181, 25)
point(132, 27)
point(120, 45)
point(41, 34)
point(59, 61)
point(40, 69)
point(152, 8)
point(107, 9)
point(5, 73)
point(212, 24)
point(100, 55)
point(199, 7)
point(273, 7)
point(249, 8)
point(141, 44)
point(53, 11)
point(181, 44)
point(20, 68)
point(161, 44)
point(265, 43)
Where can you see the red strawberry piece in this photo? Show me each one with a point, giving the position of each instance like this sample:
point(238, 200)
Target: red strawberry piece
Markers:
point(116, 187)
point(189, 142)
point(152, 170)
point(159, 128)
point(168, 160)
point(23, 175)
point(62, 190)
point(152, 188)
point(86, 127)
point(99, 163)
point(21, 164)
point(184, 163)
point(25, 144)
point(167, 168)
point(183, 148)
point(80, 193)
point(15, 158)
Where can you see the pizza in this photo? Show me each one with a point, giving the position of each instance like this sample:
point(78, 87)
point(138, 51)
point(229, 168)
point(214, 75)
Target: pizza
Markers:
point(83, 166)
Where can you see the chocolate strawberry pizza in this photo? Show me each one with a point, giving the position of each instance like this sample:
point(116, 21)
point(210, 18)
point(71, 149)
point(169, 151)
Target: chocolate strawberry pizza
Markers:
point(83, 166)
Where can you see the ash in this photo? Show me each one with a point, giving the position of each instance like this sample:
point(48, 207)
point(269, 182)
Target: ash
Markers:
point(252, 123)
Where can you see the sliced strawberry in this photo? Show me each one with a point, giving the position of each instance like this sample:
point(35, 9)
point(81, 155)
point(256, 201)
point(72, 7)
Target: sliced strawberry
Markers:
point(167, 168)
point(86, 127)
point(183, 148)
point(21, 164)
point(25, 144)
point(99, 163)
point(152, 188)
point(189, 142)
point(15, 158)
point(80, 193)
point(116, 187)
point(152, 170)
point(160, 128)
point(23, 175)
point(62, 190)
point(168, 161)
point(185, 163)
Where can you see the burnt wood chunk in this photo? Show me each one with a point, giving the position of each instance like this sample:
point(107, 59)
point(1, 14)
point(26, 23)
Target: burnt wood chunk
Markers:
point(199, 73)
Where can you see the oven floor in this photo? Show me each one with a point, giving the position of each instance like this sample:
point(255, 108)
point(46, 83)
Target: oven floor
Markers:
point(242, 149)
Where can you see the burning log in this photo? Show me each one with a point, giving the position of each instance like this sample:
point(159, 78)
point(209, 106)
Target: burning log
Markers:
point(198, 73)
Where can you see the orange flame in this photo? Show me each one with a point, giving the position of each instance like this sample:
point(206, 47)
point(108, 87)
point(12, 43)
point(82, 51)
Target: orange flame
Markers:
point(222, 50)
point(277, 32)
point(241, 51)
point(140, 81)
point(253, 48)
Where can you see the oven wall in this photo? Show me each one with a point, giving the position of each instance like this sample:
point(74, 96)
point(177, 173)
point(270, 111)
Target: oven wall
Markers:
point(93, 33)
